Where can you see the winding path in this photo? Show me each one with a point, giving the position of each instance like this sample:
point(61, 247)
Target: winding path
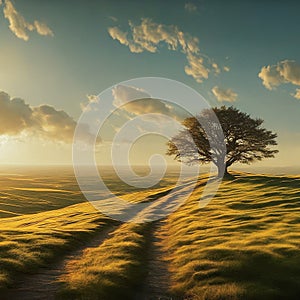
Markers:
point(44, 284)
point(156, 285)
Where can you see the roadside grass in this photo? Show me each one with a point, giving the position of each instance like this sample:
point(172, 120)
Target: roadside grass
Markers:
point(31, 241)
point(114, 270)
point(245, 244)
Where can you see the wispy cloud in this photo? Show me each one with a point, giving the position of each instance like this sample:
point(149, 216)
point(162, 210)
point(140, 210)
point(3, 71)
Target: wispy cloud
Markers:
point(19, 26)
point(297, 94)
point(286, 71)
point(91, 99)
point(222, 94)
point(113, 18)
point(150, 37)
point(190, 7)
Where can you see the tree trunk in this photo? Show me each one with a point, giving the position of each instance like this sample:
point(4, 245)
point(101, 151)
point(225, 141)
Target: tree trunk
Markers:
point(223, 171)
point(226, 171)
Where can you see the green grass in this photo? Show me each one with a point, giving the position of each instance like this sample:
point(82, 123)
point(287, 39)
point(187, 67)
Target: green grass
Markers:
point(243, 245)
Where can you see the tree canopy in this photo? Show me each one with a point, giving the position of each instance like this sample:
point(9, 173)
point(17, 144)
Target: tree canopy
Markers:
point(240, 139)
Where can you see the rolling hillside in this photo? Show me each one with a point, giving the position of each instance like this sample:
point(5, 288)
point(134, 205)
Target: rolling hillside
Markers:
point(243, 245)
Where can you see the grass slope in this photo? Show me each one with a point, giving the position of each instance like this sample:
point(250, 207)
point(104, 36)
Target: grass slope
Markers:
point(30, 241)
point(114, 270)
point(243, 245)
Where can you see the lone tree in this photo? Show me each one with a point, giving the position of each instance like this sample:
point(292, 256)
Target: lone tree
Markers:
point(245, 140)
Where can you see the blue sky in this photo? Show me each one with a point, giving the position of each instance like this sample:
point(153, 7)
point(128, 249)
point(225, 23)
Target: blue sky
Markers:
point(82, 58)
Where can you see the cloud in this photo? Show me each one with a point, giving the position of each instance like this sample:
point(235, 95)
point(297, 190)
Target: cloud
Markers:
point(19, 26)
point(190, 7)
point(196, 68)
point(53, 124)
point(216, 68)
point(42, 28)
point(15, 115)
point(286, 71)
point(270, 77)
point(144, 104)
point(297, 94)
point(119, 35)
point(224, 94)
point(43, 121)
point(113, 18)
point(290, 71)
point(87, 105)
point(150, 36)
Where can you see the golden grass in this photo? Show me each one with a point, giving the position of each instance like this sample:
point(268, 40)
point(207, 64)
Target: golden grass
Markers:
point(30, 241)
point(111, 271)
point(34, 190)
point(243, 245)
point(37, 192)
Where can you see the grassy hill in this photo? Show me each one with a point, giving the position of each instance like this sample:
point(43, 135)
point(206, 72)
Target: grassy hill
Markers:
point(245, 244)
point(31, 241)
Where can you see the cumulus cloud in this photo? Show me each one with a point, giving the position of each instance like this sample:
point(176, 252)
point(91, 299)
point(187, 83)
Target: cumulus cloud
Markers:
point(270, 77)
point(19, 26)
point(224, 94)
point(290, 71)
point(286, 71)
point(297, 94)
point(53, 124)
point(15, 115)
point(118, 34)
point(144, 103)
point(196, 68)
point(150, 36)
point(44, 121)
point(42, 28)
point(190, 7)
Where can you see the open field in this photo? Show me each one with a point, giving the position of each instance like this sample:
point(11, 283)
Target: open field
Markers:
point(31, 241)
point(244, 245)
point(27, 190)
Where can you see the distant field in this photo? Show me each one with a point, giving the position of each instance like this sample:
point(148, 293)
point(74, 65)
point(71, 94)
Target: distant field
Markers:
point(244, 245)
point(26, 190)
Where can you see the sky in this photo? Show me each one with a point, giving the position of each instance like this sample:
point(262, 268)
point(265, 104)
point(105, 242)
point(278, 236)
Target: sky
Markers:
point(55, 56)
